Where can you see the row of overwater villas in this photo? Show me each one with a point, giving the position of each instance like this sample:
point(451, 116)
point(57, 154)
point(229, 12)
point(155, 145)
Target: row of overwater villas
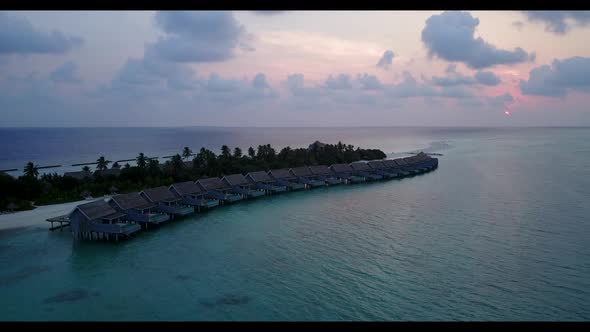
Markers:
point(125, 214)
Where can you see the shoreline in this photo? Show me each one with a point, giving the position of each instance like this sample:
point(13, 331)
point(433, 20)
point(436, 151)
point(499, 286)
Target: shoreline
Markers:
point(38, 215)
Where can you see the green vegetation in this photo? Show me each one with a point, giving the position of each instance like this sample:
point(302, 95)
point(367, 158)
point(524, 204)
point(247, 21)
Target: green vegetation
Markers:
point(54, 188)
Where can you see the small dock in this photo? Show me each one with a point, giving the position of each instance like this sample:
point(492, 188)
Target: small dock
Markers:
point(64, 221)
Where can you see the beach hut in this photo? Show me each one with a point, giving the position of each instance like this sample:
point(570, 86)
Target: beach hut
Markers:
point(323, 173)
point(284, 178)
point(192, 194)
point(138, 209)
point(304, 175)
point(216, 189)
point(345, 173)
point(379, 167)
point(362, 169)
point(240, 185)
point(261, 180)
point(99, 220)
point(166, 202)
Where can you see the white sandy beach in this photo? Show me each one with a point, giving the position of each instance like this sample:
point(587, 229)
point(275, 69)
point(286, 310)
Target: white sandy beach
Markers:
point(37, 216)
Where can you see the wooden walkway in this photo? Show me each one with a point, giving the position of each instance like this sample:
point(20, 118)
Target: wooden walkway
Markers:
point(64, 221)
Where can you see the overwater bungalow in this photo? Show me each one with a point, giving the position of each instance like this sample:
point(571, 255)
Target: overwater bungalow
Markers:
point(305, 176)
point(414, 162)
point(261, 180)
point(138, 209)
point(379, 167)
point(345, 173)
point(99, 220)
point(240, 185)
point(426, 161)
point(167, 202)
point(192, 194)
point(216, 189)
point(401, 163)
point(393, 167)
point(323, 173)
point(284, 178)
point(362, 169)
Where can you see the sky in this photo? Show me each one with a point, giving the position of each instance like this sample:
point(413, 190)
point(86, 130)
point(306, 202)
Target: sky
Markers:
point(294, 68)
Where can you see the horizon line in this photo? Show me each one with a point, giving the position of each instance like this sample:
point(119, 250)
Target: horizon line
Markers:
point(321, 127)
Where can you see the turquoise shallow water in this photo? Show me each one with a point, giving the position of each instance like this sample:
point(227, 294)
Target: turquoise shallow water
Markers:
point(500, 231)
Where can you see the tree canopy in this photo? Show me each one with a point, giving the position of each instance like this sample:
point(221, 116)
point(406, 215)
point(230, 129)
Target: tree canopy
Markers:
point(54, 188)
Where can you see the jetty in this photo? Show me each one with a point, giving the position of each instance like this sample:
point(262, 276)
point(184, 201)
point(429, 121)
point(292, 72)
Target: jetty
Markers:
point(123, 215)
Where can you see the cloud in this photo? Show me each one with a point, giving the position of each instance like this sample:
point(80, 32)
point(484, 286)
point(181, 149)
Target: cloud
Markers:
point(409, 87)
point(487, 78)
point(151, 71)
point(259, 81)
point(558, 21)
point(340, 82)
point(65, 73)
point(450, 36)
point(559, 78)
point(386, 60)
point(203, 36)
point(501, 101)
point(232, 92)
point(518, 25)
point(369, 82)
point(19, 36)
point(455, 78)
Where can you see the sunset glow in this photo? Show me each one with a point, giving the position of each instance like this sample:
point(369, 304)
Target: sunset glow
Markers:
point(289, 68)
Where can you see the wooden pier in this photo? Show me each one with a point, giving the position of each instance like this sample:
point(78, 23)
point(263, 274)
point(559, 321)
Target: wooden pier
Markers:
point(64, 221)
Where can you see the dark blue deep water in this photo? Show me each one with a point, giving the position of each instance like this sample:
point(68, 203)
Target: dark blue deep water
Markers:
point(500, 231)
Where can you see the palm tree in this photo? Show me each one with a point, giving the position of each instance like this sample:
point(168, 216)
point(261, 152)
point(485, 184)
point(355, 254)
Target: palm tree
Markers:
point(116, 165)
point(153, 166)
point(102, 164)
point(176, 161)
point(186, 152)
point(225, 152)
point(237, 152)
point(31, 170)
point(141, 160)
point(251, 152)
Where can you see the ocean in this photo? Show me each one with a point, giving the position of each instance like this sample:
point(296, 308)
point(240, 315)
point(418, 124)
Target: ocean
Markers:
point(500, 231)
